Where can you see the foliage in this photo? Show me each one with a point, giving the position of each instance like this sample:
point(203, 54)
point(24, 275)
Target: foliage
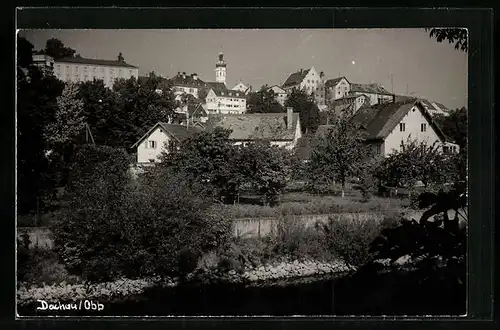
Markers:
point(206, 158)
point(69, 121)
point(307, 109)
point(453, 35)
point(56, 49)
point(36, 107)
point(415, 162)
point(333, 157)
point(263, 101)
point(350, 239)
point(267, 168)
point(454, 126)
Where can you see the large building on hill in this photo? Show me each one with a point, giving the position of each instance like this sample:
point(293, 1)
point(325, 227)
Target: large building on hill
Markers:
point(183, 83)
point(79, 69)
point(337, 88)
point(309, 81)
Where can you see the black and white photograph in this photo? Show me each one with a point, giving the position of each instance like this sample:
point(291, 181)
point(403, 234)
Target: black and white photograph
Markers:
point(241, 172)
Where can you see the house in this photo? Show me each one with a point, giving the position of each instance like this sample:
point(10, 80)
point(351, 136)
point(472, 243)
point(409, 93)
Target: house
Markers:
point(241, 87)
point(220, 100)
point(377, 93)
point(309, 81)
point(79, 69)
point(191, 113)
point(433, 108)
point(44, 62)
point(281, 129)
point(280, 94)
point(337, 88)
point(187, 84)
point(389, 125)
point(151, 145)
point(352, 102)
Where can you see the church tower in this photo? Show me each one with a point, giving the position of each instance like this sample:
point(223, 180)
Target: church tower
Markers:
point(220, 70)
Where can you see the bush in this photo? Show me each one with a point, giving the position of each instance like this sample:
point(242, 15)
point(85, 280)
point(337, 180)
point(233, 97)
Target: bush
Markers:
point(158, 227)
point(351, 239)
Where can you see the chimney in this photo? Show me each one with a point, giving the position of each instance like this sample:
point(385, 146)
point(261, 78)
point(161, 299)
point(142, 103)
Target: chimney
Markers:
point(393, 98)
point(300, 71)
point(289, 117)
point(195, 76)
point(321, 74)
point(184, 75)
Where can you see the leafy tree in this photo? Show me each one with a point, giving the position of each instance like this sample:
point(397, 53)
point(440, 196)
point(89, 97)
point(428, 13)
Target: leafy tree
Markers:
point(454, 126)
point(304, 105)
point(267, 168)
point(36, 107)
point(69, 121)
point(339, 153)
point(206, 158)
point(416, 162)
point(56, 49)
point(263, 101)
point(452, 35)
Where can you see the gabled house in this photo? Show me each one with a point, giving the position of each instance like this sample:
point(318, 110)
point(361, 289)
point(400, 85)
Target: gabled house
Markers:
point(280, 129)
point(241, 87)
point(389, 125)
point(220, 100)
point(433, 108)
point(190, 113)
point(351, 102)
point(337, 88)
point(183, 83)
point(377, 93)
point(280, 94)
point(309, 81)
point(151, 145)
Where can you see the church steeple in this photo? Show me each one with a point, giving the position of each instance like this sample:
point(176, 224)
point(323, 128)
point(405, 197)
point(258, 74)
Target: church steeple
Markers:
point(220, 69)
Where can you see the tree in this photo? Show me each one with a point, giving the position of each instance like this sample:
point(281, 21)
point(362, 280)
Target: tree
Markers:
point(120, 57)
point(454, 126)
point(304, 105)
point(416, 162)
point(339, 153)
point(263, 101)
point(69, 120)
point(267, 168)
point(56, 49)
point(206, 158)
point(457, 36)
point(36, 107)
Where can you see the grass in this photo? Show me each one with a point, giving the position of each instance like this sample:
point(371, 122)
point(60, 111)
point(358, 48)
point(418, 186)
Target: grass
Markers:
point(296, 203)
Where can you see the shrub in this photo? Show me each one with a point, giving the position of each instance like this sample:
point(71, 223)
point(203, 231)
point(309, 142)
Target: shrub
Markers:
point(159, 228)
point(351, 239)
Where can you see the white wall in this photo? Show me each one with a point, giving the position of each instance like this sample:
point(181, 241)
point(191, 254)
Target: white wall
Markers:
point(374, 97)
point(412, 123)
point(78, 72)
point(225, 105)
point(144, 153)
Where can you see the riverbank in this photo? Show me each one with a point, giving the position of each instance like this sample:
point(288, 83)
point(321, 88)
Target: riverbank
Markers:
point(277, 274)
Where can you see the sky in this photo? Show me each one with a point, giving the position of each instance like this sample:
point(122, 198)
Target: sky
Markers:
point(418, 65)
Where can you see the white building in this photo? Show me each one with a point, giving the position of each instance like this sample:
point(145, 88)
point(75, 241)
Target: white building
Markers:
point(241, 87)
point(152, 144)
point(309, 81)
point(377, 93)
point(337, 88)
point(225, 101)
point(280, 95)
point(390, 125)
point(187, 84)
point(79, 69)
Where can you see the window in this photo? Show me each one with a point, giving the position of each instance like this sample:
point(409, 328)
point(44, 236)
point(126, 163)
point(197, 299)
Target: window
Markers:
point(102, 69)
point(423, 127)
point(85, 68)
point(67, 67)
point(402, 127)
point(76, 69)
point(151, 144)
